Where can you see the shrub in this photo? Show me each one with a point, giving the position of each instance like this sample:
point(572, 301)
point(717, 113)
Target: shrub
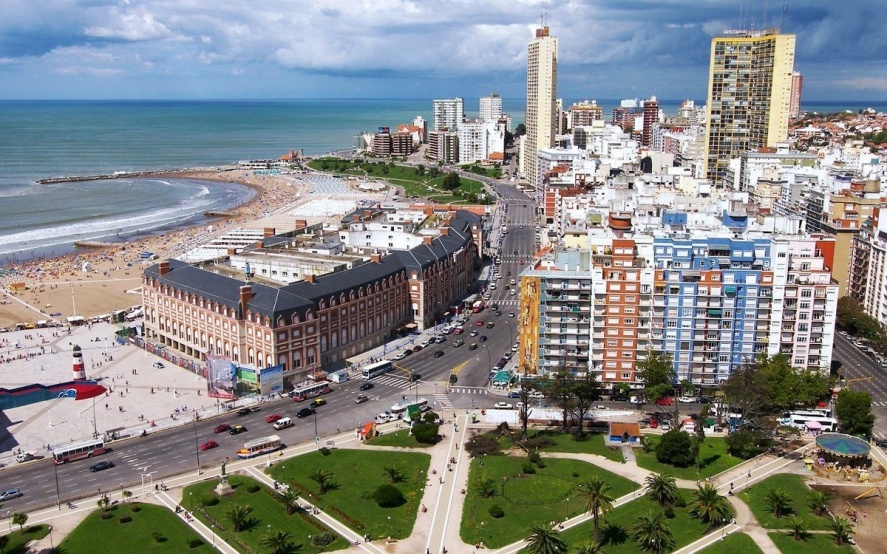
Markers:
point(534, 457)
point(387, 496)
point(136, 508)
point(537, 442)
point(430, 417)
point(575, 474)
point(107, 515)
point(325, 451)
point(680, 501)
point(482, 445)
point(426, 433)
point(253, 488)
point(675, 448)
point(496, 511)
point(209, 500)
point(194, 543)
point(746, 444)
point(528, 468)
point(669, 512)
point(323, 539)
point(125, 519)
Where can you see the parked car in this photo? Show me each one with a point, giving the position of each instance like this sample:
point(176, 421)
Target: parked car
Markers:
point(418, 347)
point(439, 339)
point(513, 394)
point(209, 445)
point(305, 412)
point(158, 365)
point(9, 494)
point(686, 400)
point(221, 428)
point(503, 406)
point(272, 418)
point(367, 386)
point(101, 466)
point(664, 401)
point(399, 356)
point(236, 430)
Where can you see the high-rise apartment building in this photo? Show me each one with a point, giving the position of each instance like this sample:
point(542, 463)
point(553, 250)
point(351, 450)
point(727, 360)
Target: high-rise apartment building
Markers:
point(447, 113)
point(794, 110)
point(583, 113)
point(542, 117)
point(749, 94)
point(491, 107)
point(651, 117)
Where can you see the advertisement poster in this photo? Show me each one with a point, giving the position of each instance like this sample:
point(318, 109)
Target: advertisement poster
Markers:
point(221, 377)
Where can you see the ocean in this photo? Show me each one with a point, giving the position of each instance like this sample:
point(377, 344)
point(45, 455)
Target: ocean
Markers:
point(42, 139)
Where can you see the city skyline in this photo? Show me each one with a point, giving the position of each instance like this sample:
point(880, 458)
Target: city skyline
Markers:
point(399, 49)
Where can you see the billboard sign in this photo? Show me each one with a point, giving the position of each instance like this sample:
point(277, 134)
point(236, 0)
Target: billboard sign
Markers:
point(221, 377)
point(271, 380)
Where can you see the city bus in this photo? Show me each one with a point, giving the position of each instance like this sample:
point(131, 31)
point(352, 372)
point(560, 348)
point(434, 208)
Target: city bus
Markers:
point(800, 419)
point(300, 394)
point(78, 450)
point(379, 368)
point(400, 409)
point(257, 447)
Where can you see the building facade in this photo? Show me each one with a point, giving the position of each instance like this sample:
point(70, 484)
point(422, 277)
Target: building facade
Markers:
point(542, 117)
point(446, 113)
point(749, 95)
point(490, 107)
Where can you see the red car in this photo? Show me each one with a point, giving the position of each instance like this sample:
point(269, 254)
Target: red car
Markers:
point(222, 428)
point(479, 323)
point(664, 401)
point(209, 445)
point(272, 418)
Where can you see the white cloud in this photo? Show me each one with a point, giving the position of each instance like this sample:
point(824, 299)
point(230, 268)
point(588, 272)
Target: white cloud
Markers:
point(136, 26)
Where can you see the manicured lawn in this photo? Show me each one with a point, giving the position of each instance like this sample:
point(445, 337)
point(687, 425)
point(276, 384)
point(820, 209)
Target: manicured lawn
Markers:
point(19, 538)
point(400, 438)
point(737, 543)
point(549, 494)
point(152, 529)
point(616, 531)
point(795, 488)
point(714, 456)
point(266, 511)
point(588, 444)
point(819, 543)
point(358, 473)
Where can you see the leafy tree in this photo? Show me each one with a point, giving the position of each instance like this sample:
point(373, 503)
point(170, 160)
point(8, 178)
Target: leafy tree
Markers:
point(797, 528)
point(394, 474)
point(652, 533)
point(486, 488)
point(709, 506)
point(388, 496)
point(841, 529)
point(586, 391)
point(746, 443)
point(778, 502)
point(20, 518)
point(854, 411)
point(657, 373)
point(290, 499)
point(420, 169)
point(451, 181)
point(545, 539)
point(426, 433)
point(662, 488)
point(687, 388)
point(560, 391)
point(520, 130)
point(787, 387)
point(598, 498)
point(237, 514)
point(675, 448)
point(323, 478)
point(279, 542)
point(818, 501)
point(745, 390)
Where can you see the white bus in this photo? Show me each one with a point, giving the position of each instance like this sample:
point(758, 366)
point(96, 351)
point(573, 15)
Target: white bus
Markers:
point(401, 409)
point(257, 447)
point(78, 450)
point(379, 368)
point(800, 419)
point(300, 394)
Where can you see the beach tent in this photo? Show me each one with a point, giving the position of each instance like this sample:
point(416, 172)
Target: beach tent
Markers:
point(75, 319)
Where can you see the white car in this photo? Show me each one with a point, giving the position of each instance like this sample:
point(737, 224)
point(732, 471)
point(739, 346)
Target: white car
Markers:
point(536, 394)
point(399, 356)
point(502, 406)
point(687, 399)
point(426, 342)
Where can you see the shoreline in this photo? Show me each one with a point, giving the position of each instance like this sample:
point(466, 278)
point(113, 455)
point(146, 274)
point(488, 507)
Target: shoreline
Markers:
point(107, 275)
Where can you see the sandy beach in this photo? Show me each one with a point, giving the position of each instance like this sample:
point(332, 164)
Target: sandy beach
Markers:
point(56, 288)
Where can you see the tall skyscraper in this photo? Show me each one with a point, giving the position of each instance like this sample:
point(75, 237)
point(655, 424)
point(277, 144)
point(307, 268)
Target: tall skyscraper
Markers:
point(651, 116)
point(797, 87)
point(749, 94)
point(541, 117)
point(490, 107)
point(447, 113)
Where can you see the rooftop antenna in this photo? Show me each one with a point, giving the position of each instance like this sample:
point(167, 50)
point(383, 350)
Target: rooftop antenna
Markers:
point(782, 21)
point(766, 9)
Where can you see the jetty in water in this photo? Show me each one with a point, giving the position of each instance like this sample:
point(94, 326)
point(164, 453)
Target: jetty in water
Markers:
point(116, 175)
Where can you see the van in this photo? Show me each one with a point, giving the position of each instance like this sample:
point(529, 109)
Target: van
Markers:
point(283, 423)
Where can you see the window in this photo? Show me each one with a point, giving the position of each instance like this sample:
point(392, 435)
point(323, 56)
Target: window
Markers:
point(626, 375)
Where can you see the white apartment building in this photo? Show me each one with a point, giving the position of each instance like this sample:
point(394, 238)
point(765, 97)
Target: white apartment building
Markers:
point(479, 139)
point(490, 107)
point(542, 118)
point(447, 113)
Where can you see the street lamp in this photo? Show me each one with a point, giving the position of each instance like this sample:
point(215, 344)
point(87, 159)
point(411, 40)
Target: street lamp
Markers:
point(196, 445)
point(316, 436)
point(58, 496)
point(212, 529)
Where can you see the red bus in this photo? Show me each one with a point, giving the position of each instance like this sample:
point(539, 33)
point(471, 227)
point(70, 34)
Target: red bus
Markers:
point(78, 450)
point(310, 391)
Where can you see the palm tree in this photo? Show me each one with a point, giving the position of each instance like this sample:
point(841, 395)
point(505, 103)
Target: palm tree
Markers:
point(797, 527)
point(589, 548)
point(394, 474)
point(818, 501)
point(841, 529)
point(20, 519)
point(709, 506)
point(279, 542)
point(661, 488)
point(545, 540)
point(652, 533)
point(598, 499)
point(778, 502)
point(323, 478)
point(290, 499)
point(486, 488)
point(238, 514)
point(127, 495)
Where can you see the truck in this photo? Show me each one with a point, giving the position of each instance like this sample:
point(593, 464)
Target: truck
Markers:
point(477, 307)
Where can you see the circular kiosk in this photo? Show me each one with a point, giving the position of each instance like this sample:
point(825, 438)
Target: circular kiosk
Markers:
point(842, 453)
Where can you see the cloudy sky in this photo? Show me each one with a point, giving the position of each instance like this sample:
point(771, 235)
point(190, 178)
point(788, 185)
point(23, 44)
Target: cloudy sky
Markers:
point(147, 49)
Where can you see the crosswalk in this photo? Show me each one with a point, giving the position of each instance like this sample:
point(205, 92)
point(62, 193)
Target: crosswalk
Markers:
point(442, 401)
point(392, 381)
point(468, 390)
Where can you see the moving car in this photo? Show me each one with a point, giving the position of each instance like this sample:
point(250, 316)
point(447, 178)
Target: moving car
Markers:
point(482, 338)
point(236, 430)
point(272, 418)
point(9, 494)
point(502, 406)
point(664, 401)
point(472, 346)
point(474, 333)
point(283, 423)
point(490, 325)
point(317, 402)
point(244, 411)
point(361, 398)
point(457, 343)
point(305, 412)
point(453, 378)
point(101, 466)
point(367, 386)
point(221, 428)
point(209, 445)
point(438, 354)
point(479, 323)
